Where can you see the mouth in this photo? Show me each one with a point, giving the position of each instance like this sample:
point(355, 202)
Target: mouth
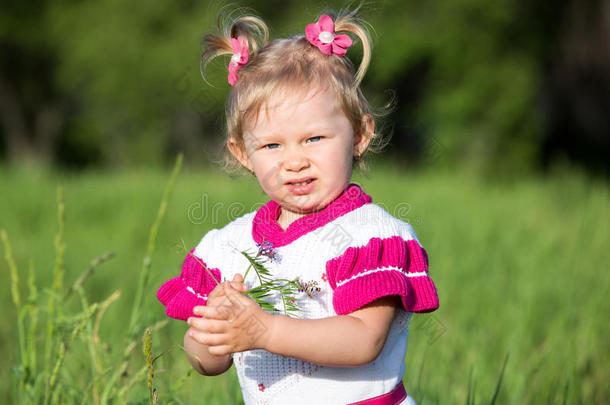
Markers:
point(301, 186)
point(300, 182)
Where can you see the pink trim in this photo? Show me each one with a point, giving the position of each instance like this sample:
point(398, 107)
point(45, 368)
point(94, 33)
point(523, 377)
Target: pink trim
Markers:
point(181, 294)
point(394, 397)
point(265, 223)
point(390, 266)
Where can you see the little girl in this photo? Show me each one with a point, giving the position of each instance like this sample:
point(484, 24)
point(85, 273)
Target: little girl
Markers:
point(298, 120)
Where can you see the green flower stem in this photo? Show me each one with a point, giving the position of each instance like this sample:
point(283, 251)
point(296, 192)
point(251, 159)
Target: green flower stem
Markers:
point(204, 266)
point(247, 270)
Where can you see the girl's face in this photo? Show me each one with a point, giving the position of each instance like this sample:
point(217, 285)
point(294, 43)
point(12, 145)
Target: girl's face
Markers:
point(300, 147)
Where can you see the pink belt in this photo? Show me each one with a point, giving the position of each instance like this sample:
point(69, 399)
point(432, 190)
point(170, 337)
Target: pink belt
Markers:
point(394, 397)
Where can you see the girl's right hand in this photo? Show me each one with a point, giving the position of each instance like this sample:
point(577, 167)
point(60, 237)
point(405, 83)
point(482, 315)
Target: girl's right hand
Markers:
point(218, 298)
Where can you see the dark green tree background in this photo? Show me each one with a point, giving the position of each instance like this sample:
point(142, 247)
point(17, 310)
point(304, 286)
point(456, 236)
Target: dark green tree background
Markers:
point(504, 86)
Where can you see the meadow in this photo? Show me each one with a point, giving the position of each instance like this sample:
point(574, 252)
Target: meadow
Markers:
point(521, 267)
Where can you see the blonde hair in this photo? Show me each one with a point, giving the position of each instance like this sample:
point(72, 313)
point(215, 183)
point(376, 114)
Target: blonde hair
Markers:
point(287, 65)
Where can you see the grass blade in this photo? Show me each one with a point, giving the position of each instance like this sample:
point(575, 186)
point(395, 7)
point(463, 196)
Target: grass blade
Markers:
point(8, 254)
point(493, 400)
point(566, 390)
point(58, 277)
point(152, 238)
point(95, 263)
point(54, 376)
point(33, 318)
point(147, 340)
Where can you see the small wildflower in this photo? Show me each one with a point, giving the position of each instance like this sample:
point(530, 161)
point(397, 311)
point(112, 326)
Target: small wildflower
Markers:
point(266, 249)
point(269, 284)
point(309, 287)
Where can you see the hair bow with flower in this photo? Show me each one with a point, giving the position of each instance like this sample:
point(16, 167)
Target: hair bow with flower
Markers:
point(239, 58)
point(322, 35)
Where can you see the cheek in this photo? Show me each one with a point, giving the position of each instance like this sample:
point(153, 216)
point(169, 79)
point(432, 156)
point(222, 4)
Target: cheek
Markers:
point(266, 172)
point(258, 159)
point(337, 161)
point(344, 153)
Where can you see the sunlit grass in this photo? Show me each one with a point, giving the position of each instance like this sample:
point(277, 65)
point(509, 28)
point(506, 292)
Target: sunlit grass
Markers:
point(521, 269)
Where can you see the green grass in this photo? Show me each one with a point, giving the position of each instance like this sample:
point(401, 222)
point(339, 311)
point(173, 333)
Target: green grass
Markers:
point(521, 268)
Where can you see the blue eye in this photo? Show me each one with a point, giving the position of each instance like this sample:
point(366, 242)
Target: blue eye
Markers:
point(271, 146)
point(314, 139)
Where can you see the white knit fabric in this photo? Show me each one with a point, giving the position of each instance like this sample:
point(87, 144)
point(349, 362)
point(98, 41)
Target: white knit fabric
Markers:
point(267, 378)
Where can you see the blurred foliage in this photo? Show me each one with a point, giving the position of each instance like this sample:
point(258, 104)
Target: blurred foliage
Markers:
point(489, 85)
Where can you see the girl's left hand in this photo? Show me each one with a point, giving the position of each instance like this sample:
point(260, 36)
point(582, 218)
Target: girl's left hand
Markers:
point(237, 325)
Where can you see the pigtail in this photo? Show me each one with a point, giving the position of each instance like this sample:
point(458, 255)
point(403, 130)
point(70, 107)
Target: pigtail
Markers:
point(350, 21)
point(250, 28)
point(253, 29)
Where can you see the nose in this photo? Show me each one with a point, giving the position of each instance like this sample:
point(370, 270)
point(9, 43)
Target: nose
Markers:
point(295, 159)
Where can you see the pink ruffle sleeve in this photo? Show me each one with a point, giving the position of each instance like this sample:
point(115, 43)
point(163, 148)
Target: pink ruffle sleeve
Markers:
point(389, 266)
point(181, 294)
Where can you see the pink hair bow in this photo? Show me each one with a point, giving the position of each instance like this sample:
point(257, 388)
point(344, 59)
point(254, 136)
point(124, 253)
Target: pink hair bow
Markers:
point(239, 58)
point(322, 35)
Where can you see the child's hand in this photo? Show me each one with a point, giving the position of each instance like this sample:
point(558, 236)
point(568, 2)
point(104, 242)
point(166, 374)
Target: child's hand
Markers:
point(236, 325)
point(217, 296)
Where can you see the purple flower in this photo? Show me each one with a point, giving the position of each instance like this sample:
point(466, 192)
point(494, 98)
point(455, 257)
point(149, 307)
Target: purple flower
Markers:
point(266, 249)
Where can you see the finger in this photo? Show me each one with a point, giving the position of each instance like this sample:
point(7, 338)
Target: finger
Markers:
point(227, 311)
point(222, 288)
point(236, 283)
point(198, 310)
point(208, 339)
point(217, 290)
point(208, 325)
point(239, 286)
point(216, 301)
point(215, 312)
point(234, 296)
point(220, 350)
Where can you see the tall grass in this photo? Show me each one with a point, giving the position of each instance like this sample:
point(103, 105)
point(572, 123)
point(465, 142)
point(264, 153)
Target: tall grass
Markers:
point(521, 270)
point(71, 335)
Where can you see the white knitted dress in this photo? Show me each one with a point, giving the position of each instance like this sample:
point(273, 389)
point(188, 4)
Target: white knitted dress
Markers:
point(353, 252)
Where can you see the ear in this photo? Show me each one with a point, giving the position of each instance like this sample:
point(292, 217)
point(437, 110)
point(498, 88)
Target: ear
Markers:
point(239, 153)
point(365, 135)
